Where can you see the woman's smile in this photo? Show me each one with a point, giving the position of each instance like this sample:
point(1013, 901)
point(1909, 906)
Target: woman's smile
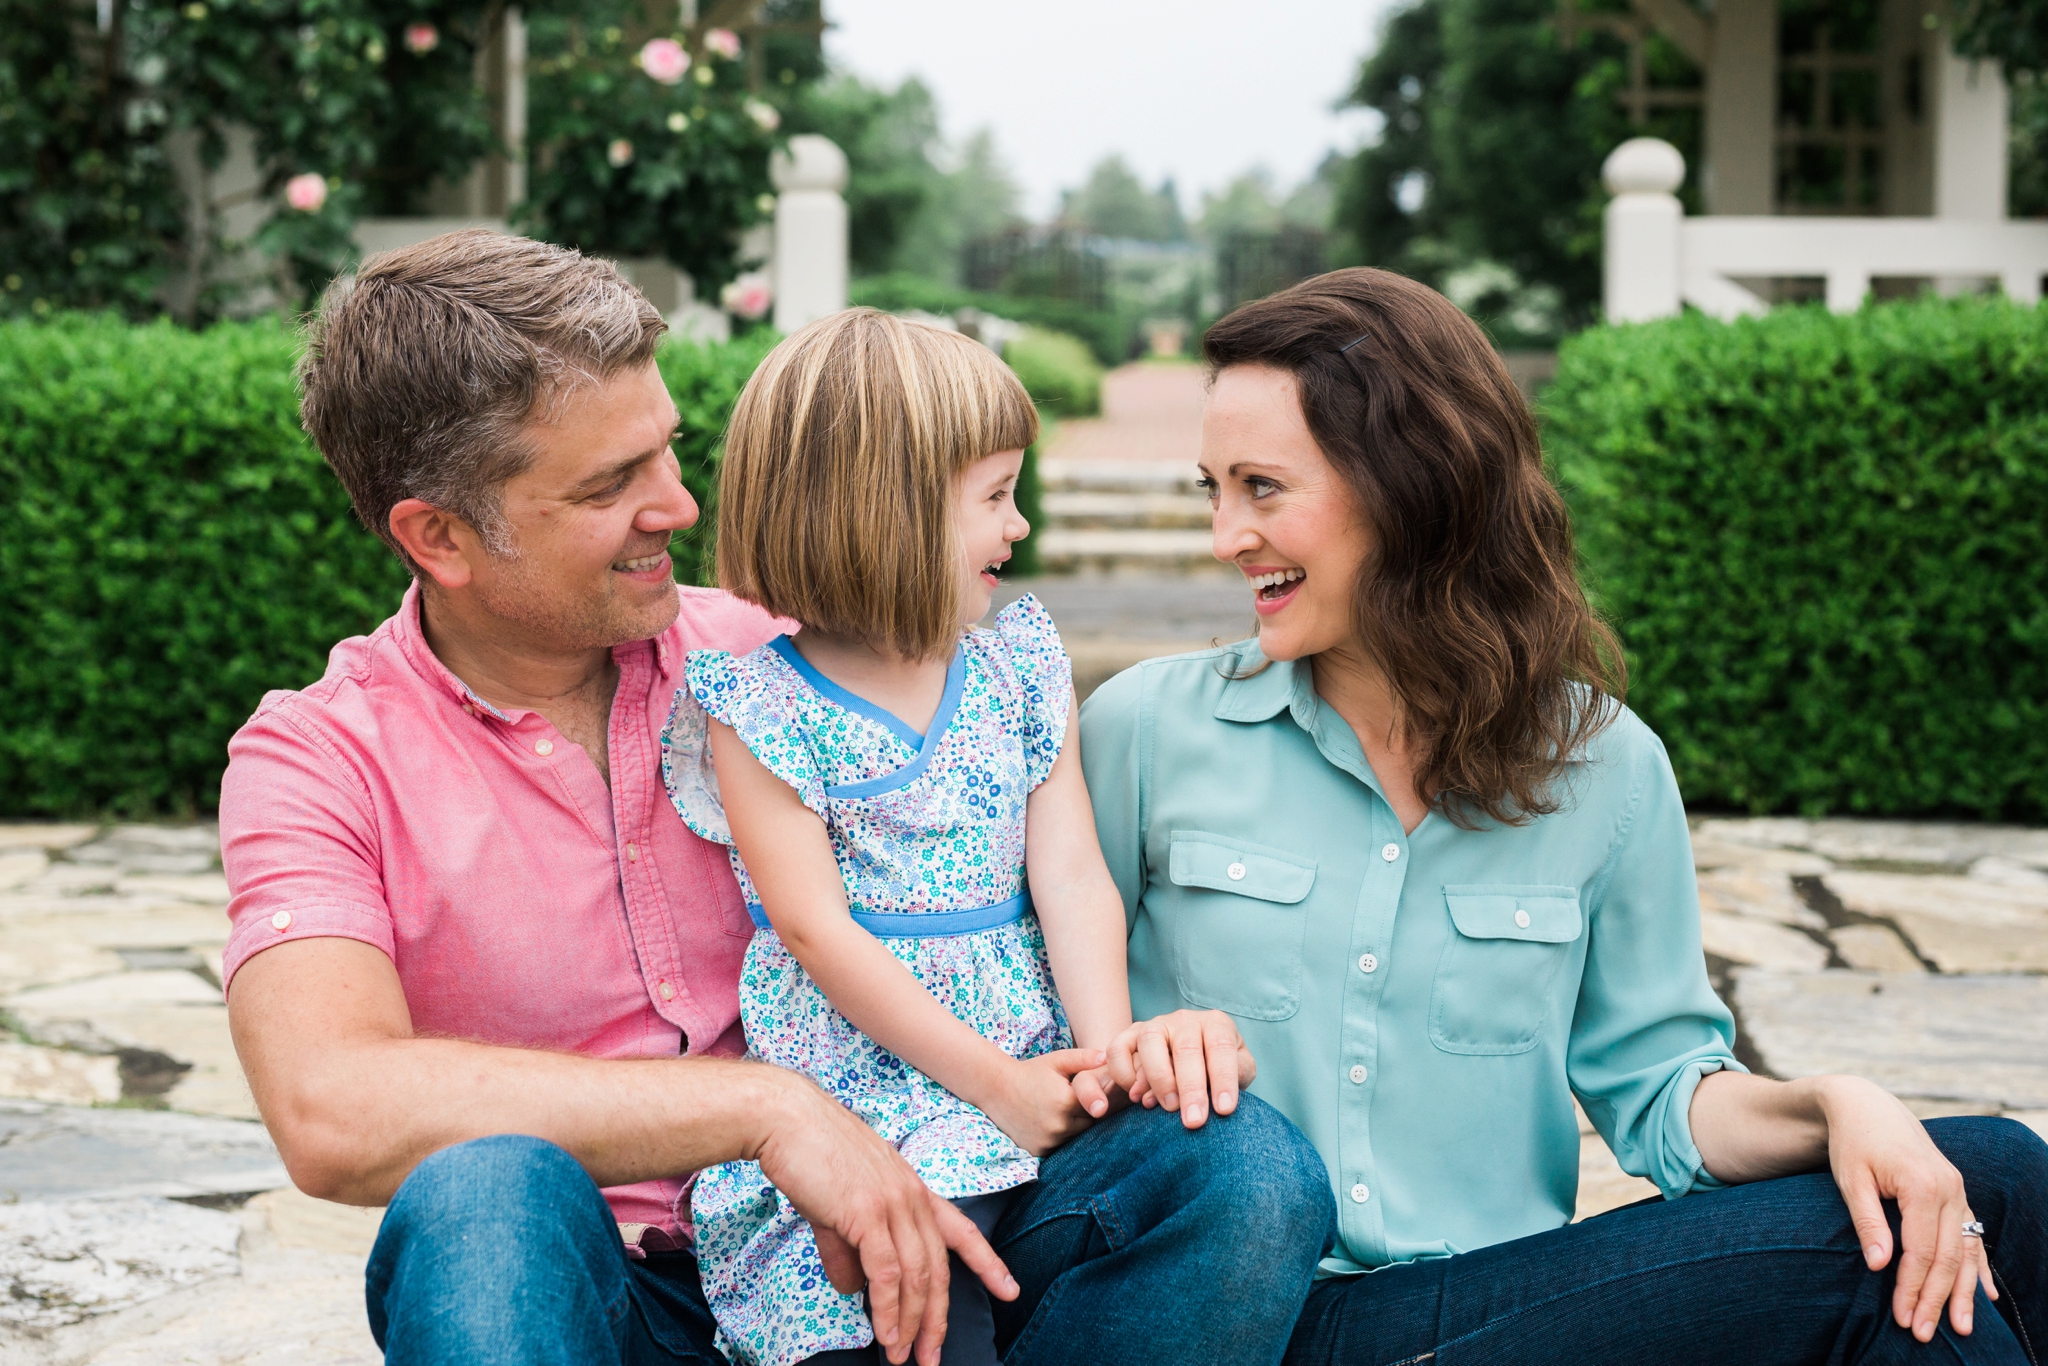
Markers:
point(1272, 588)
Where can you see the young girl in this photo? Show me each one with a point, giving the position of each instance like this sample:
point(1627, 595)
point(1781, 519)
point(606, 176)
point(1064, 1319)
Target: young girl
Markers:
point(886, 777)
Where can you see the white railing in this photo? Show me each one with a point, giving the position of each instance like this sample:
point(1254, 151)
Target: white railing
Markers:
point(1658, 260)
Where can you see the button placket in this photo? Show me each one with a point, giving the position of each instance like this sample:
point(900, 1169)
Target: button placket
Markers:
point(1379, 898)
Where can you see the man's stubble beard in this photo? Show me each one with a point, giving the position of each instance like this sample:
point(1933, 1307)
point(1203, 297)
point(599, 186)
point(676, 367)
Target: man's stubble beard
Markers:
point(524, 595)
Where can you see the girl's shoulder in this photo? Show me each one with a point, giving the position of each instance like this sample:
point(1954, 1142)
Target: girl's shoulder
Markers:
point(761, 696)
point(1031, 674)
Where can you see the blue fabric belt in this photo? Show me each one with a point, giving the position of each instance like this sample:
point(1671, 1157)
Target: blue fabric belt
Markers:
point(925, 924)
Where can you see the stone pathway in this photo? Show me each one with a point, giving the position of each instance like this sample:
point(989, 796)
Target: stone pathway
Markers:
point(144, 1216)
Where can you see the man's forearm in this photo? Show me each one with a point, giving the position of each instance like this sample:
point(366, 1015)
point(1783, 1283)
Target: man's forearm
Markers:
point(355, 1102)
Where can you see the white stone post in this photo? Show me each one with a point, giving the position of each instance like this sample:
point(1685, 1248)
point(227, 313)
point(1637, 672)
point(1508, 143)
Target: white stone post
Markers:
point(1643, 223)
point(810, 266)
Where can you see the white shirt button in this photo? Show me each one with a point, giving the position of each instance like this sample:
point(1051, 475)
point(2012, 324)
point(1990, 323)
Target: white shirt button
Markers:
point(281, 921)
point(668, 993)
point(1359, 1194)
point(544, 748)
point(1358, 1074)
point(1391, 852)
point(633, 852)
point(1235, 872)
point(1522, 919)
point(1368, 962)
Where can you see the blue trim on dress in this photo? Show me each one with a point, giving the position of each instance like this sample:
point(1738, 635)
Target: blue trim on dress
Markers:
point(956, 684)
point(924, 924)
point(860, 706)
point(927, 744)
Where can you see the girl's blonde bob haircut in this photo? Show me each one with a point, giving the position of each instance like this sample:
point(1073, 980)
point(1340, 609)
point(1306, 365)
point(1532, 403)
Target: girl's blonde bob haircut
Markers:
point(835, 501)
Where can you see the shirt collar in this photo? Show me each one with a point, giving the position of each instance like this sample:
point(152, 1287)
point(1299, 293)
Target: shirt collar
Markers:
point(1260, 689)
point(411, 639)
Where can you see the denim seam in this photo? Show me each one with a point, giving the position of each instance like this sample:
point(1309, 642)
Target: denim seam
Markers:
point(1105, 1218)
point(2019, 1324)
point(1631, 1274)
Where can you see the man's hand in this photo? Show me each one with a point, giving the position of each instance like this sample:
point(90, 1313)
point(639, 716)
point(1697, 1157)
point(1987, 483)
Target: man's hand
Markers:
point(878, 1226)
point(1036, 1106)
point(1191, 1061)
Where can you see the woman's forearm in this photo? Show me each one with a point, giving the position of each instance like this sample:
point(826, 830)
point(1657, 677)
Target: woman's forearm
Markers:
point(1752, 1128)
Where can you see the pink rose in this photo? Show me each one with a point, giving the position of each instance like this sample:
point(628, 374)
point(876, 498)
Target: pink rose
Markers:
point(420, 39)
point(724, 42)
point(664, 60)
point(749, 296)
point(306, 193)
point(619, 153)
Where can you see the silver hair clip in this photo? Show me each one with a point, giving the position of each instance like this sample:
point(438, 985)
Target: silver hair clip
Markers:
point(1353, 342)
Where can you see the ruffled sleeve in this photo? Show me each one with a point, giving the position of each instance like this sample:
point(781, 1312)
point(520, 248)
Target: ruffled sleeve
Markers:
point(1026, 639)
point(760, 698)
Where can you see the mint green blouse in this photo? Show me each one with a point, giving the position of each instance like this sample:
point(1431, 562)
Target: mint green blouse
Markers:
point(1422, 1006)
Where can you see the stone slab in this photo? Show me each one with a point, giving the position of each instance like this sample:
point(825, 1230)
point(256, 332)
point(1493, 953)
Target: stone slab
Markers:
point(1860, 841)
point(210, 889)
point(178, 1014)
point(1764, 894)
point(61, 1152)
point(39, 835)
point(117, 991)
point(155, 848)
point(28, 1072)
point(298, 1220)
point(46, 948)
point(1875, 947)
point(1741, 939)
point(1969, 1038)
point(60, 1262)
point(1710, 853)
point(22, 866)
point(1960, 924)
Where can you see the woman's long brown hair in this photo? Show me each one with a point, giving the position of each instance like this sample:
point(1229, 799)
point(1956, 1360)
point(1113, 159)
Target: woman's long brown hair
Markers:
point(1470, 602)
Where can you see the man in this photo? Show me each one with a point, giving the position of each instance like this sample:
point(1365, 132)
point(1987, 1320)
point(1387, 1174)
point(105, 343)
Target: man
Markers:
point(480, 969)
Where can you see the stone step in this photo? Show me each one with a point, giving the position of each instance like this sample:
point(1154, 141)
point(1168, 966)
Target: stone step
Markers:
point(1119, 476)
point(1107, 550)
point(1077, 508)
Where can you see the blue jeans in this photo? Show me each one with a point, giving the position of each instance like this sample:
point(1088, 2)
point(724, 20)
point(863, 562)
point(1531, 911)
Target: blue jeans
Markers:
point(1768, 1274)
point(1140, 1242)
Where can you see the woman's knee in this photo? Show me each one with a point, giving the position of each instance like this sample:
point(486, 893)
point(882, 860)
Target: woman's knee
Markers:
point(1998, 1157)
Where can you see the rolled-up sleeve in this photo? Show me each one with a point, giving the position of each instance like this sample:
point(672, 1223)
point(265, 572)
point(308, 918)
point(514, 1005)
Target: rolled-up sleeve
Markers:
point(298, 842)
point(1111, 763)
point(1648, 1025)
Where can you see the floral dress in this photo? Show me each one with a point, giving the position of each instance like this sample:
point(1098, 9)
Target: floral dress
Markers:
point(928, 831)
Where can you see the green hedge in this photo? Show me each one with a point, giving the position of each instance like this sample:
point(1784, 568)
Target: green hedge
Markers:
point(171, 547)
point(1825, 542)
point(1057, 371)
point(1110, 335)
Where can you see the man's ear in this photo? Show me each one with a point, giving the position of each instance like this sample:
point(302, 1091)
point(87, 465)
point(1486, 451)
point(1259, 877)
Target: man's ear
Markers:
point(443, 545)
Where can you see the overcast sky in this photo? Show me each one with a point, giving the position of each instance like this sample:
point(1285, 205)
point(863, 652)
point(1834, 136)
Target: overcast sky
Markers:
point(1197, 89)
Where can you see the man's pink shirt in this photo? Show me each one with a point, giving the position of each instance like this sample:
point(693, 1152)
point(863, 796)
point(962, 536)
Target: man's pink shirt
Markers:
point(522, 901)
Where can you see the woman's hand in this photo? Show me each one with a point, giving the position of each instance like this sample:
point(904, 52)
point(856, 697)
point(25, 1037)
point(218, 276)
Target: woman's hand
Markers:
point(1191, 1061)
point(1879, 1151)
point(1036, 1105)
point(1752, 1129)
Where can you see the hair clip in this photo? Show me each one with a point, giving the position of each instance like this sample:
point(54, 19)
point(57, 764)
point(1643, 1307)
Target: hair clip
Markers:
point(1353, 342)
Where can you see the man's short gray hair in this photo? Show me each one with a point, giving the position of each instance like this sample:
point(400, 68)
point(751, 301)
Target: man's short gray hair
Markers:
point(421, 370)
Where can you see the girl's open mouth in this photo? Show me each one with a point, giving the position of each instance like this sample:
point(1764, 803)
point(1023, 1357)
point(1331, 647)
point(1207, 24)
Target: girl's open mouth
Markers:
point(992, 572)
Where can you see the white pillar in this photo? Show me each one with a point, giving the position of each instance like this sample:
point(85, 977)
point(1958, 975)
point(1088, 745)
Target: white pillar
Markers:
point(810, 231)
point(1740, 171)
point(1643, 223)
point(1970, 127)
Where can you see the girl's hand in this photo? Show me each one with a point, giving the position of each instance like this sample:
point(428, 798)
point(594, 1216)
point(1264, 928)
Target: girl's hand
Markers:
point(1098, 1092)
point(1190, 1061)
point(1879, 1151)
point(1036, 1105)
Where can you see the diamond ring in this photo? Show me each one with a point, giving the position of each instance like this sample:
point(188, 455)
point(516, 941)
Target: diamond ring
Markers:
point(1973, 1228)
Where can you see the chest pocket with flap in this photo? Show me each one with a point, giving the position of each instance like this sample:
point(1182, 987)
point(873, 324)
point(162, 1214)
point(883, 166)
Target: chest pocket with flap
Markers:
point(1236, 922)
point(1497, 979)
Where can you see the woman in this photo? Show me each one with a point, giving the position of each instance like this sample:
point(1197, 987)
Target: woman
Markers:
point(1441, 880)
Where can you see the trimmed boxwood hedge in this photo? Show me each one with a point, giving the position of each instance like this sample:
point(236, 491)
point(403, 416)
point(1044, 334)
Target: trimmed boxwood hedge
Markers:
point(171, 547)
point(1824, 540)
